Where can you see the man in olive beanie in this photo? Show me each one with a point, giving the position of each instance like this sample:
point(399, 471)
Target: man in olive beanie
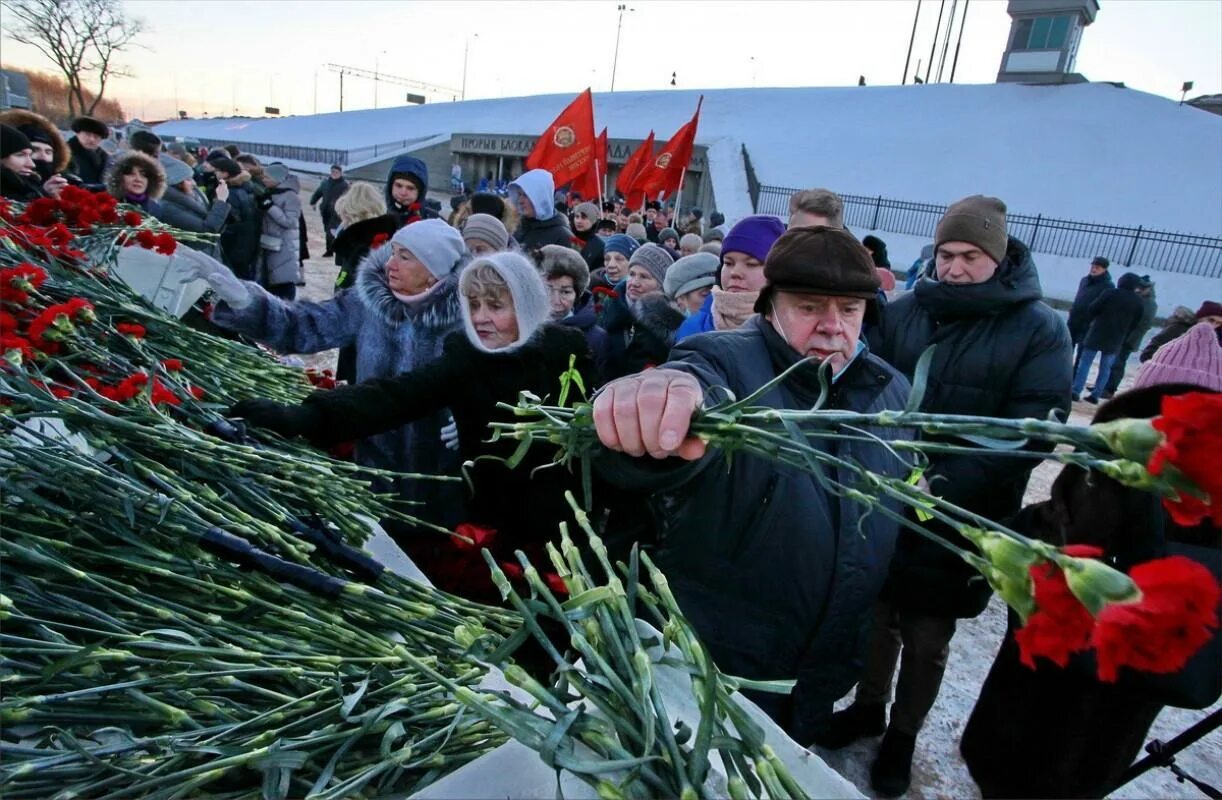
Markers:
point(1000, 352)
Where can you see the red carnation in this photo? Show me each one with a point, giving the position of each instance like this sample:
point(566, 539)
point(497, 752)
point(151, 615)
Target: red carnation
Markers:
point(479, 536)
point(10, 341)
point(555, 583)
point(132, 218)
point(171, 364)
point(7, 322)
point(1192, 426)
point(196, 392)
point(166, 243)
point(379, 240)
point(131, 329)
point(163, 394)
point(512, 571)
point(1060, 624)
point(146, 238)
point(1173, 619)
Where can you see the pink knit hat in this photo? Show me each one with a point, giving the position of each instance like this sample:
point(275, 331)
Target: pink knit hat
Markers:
point(1195, 357)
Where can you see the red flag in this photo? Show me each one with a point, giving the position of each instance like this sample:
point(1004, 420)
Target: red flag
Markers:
point(566, 148)
point(589, 186)
point(632, 167)
point(665, 173)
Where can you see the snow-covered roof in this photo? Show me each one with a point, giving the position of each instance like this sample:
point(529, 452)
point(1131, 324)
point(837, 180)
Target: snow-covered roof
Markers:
point(1092, 151)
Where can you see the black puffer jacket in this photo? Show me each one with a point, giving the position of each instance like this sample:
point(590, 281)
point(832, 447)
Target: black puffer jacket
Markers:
point(23, 189)
point(1089, 289)
point(240, 238)
point(1114, 315)
point(1000, 353)
point(591, 246)
point(1180, 321)
point(534, 233)
point(88, 165)
point(774, 572)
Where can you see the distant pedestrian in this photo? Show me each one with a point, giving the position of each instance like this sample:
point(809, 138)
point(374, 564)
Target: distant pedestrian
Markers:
point(1132, 344)
point(1097, 281)
point(329, 191)
point(1113, 316)
point(279, 241)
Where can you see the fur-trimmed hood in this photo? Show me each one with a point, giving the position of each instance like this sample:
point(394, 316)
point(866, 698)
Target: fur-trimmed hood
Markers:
point(438, 311)
point(19, 118)
point(152, 168)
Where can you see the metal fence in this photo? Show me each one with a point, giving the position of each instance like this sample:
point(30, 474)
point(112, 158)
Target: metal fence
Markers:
point(319, 155)
point(1184, 253)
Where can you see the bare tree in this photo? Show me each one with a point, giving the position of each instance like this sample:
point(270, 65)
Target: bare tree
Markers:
point(82, 38)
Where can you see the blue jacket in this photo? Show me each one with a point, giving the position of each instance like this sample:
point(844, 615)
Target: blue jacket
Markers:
point(777, 575)
point(405, 215)
point(391, 338)
point(700, 322)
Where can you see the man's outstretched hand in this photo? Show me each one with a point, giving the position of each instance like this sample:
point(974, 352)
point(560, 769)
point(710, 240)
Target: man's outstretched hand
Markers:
point(650, 413)
point(286, 420)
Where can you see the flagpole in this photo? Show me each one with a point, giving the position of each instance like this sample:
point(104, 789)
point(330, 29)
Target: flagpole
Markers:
point(679, 194)
point(598, 179)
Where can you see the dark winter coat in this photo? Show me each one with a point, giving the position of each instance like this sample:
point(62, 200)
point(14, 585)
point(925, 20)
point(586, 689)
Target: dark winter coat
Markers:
point(776, 574)
point(88, 165)
point(1149, 310)
point(405, 215)
point(1083, 733)
point(641, 339)
point(534, 233)
point(328, 192)
point(1089, 289)
point(585, 320)
point(281, 220)
point(240, 238)
point(22, 189)
point(1178, 324)
point(391, 338)
point(1000, 353)
point(524, 504)
point(1113, 316)
point(351, 247)
point(187, 211)
point(591, 246)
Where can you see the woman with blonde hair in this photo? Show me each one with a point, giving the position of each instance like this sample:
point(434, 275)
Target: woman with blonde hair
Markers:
point(363, 219)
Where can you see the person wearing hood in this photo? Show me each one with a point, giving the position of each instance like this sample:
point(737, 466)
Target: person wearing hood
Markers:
point(585, 235)
point(639, 319)
point(402, 306)
point(999, 352)
point(185, 207)
point(776, 573)
point(1097, 281)
point(1085, 733)
point(533, 193)
point(89, 160)
point(1113, 317)
point(240, 238)
point(18, 177)
point(1181, 319)
point(568, 280)
point(506, 346)
point(48, 148)
point(406, 187)
point(732, 300)
point(280, 240)
point(138, 180)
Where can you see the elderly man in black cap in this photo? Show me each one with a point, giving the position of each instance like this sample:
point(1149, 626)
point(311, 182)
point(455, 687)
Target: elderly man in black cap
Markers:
point(777, 574)
point(89, 160)
point(1000, 352)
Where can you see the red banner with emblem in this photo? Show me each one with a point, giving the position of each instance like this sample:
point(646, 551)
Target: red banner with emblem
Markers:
point(566, 148)
point(664, 173)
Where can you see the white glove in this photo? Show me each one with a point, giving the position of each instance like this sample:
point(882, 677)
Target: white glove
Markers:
point(449, 435)
point(200, 265)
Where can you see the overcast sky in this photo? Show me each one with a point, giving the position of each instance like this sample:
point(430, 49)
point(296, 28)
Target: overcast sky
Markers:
point(215, 55)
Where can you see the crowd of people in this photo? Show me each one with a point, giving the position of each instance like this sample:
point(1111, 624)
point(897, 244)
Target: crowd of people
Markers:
point(441, 322)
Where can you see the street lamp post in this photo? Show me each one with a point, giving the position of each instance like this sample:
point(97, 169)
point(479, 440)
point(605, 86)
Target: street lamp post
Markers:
point(615, 61)
point(375, 76)
point(465, 52)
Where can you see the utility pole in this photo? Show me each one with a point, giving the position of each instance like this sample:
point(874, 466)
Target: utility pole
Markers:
point(934, 48)
point(341, 90)
point(619, 27)
point(950, 26)
point(465, 52)
point(962, 22)
point(911, 40)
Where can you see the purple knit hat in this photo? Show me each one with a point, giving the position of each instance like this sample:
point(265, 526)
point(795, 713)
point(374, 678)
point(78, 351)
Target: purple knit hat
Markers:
point(754, 236)
point(1195, 357)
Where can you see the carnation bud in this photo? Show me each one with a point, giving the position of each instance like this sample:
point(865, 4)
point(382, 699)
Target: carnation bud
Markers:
point(85, 314)
point(13, 357)
point(1096, 584)
point(1134, 439)
point(62, 323)
point(1010, 563)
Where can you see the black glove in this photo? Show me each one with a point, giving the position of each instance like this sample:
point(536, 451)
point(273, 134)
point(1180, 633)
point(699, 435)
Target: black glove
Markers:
point(286, 420)
point(265, 202)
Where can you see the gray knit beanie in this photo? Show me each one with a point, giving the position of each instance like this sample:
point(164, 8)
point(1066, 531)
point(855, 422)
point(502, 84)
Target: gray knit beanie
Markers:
point(692, 240)
point(589, 209)
point(559, 261)
point(654, 258)
point(526, 287)
point(691, 273)
point(637, 231)
point(276, 171)
point(668, 233)
point(486, 228)
point(438, 246)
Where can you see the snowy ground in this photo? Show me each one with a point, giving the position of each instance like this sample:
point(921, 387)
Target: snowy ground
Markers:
point(938, 771)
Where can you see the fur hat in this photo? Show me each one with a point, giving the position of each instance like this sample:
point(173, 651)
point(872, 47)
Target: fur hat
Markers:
point(1195, 357)
point(12, 141)
point(277, 172)
point(691, 273)
point(559, 261)
point(486, 228)
point(438, 246)
point(621, 243)
point(819, 260)
point(754, 236)
point(90, 125)
point(526, 287)
point(124, 163)
point(977, 220)
point(637, 231)
point(654, 258)
point(175, 171)
point(38, 128)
